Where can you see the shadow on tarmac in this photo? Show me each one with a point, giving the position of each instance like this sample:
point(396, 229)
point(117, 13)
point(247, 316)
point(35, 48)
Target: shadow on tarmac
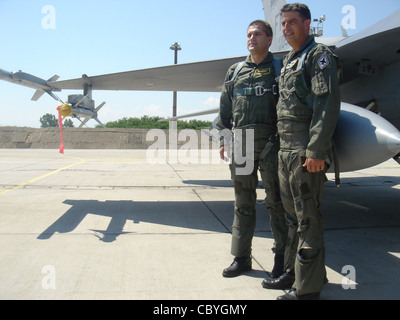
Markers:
point(361, 218)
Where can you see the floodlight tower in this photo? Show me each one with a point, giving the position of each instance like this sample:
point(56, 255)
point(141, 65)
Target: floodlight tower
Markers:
point(176, 47)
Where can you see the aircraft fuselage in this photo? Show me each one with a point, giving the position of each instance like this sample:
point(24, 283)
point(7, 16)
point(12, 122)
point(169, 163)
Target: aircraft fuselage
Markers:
point(382, 88)
point(24, 79)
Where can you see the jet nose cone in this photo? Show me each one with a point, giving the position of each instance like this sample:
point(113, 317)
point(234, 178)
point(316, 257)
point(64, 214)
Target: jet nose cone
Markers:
point(364, 139)
point(393, 142)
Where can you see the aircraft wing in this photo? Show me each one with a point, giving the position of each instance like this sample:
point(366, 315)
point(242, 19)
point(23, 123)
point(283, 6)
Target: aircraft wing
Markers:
point(376, 46)
point(190, 115)
point(204, 76)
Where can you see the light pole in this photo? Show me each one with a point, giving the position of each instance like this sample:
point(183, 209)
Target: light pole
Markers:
point(176, 47)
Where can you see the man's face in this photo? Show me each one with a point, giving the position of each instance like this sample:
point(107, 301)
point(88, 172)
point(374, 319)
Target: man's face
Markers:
point(294, 29)
point(257, 40)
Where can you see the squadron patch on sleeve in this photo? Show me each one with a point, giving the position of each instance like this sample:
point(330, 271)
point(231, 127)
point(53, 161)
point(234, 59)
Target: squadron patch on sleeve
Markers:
point(323, 61)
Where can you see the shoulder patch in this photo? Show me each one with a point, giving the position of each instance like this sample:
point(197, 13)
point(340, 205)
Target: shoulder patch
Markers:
point(323, 61)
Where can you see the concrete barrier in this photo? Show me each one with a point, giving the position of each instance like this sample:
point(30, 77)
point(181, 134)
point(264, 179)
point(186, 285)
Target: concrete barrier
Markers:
point(83, 138)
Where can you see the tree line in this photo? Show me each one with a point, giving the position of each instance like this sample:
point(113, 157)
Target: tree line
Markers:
point(144, 122)
point(147, 122)
point(50, 120)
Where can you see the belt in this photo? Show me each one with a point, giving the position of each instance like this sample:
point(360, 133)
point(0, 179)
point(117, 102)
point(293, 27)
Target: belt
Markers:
point(255, 91)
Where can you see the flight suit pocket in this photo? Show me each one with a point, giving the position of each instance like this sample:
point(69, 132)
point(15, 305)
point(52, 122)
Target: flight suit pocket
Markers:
point(319, 85)
point(300, 84)
point(243, 182)
point(305, 207)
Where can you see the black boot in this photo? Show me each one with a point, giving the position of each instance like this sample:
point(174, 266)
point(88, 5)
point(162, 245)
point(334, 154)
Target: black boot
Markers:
point(238, 266)
point(277, 270)
point(285, 281)
point(292, 295)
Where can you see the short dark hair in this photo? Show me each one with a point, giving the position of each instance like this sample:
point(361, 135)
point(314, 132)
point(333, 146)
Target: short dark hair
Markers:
point(301, 8)
point(265, 25)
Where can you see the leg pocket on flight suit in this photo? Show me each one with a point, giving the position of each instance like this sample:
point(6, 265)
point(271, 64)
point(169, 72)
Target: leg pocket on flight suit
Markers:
point(269, 176)
point(309, 223)
point(245, 182)
point(306, 207)
point(245, 193)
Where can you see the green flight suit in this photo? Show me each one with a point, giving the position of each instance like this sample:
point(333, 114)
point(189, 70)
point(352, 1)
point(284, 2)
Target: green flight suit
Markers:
point(308, 109)
point(241, 108)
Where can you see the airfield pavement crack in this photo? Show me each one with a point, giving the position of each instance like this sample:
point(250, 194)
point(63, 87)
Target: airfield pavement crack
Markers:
point(202, 200)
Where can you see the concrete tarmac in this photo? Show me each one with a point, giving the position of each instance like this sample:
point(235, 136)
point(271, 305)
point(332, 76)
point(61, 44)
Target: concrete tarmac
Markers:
point(107, 224)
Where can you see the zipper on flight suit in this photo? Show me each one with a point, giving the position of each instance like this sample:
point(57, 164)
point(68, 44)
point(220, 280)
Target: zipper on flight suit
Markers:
point(249, 101)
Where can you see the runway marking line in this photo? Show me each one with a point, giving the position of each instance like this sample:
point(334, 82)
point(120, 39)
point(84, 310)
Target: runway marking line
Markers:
point(354, 205)
point(43, 176)
point(81, 160)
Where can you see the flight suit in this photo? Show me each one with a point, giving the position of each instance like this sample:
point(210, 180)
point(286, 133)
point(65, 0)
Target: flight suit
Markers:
point(307, 110)
point(241, 107)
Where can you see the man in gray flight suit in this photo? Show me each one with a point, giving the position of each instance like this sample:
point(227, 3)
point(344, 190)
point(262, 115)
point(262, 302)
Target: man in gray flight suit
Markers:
point(307, 110)
point(248, 104)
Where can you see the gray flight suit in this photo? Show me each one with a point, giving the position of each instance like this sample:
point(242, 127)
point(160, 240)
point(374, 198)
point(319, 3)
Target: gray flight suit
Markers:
point(308, 109)
point(242, 108)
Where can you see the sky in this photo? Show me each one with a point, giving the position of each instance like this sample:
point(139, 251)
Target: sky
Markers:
point(70, 38)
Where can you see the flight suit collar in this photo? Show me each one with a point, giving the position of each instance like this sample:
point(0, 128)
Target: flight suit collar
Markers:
point(292, 53)
point(268, 59)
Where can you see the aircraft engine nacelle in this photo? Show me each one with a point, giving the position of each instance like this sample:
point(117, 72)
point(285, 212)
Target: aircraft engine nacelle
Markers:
point(363, 139)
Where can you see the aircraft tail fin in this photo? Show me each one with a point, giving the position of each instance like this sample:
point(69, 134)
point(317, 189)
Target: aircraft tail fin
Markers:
point(272, 15)
point(54, 78)
point(40, 92)
point(99, 107)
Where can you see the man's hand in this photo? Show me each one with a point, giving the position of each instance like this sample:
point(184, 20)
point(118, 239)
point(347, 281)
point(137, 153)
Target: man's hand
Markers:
point(314, 165)
point(222, 153)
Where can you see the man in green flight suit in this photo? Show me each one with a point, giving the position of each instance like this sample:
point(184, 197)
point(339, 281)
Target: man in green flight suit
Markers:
point(248, 108)
point(307, 110)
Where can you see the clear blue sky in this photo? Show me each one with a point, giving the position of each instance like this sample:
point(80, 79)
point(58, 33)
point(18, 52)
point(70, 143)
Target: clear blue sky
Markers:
point(106, 36)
